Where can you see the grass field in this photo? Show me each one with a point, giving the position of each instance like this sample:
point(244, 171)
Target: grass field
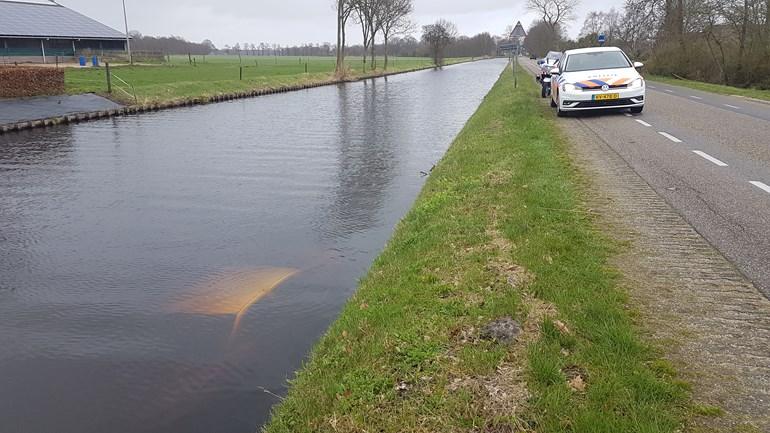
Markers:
point(715, 88)
point(212, 75)
point(498, 230)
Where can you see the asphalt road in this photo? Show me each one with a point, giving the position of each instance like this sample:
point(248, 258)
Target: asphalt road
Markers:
point(708, 156)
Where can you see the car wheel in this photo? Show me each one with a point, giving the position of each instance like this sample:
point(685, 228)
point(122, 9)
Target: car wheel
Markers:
point(637, 110)
point(559, 111)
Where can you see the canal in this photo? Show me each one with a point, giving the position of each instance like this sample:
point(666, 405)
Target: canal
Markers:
point(169, 272)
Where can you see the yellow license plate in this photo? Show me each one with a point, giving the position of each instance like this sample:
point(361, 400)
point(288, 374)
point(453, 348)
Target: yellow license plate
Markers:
point(606, 96)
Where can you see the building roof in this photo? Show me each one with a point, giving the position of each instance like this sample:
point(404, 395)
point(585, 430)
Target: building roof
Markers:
point(24, 19)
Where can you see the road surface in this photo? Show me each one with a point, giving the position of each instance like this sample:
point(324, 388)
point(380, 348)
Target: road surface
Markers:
point(42, 107)
point(708, 156)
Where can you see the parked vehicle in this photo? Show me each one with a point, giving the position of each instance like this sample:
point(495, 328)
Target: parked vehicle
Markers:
point(596, 79)
point(548, 63)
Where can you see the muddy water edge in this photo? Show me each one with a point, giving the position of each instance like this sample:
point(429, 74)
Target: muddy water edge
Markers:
point(169, 272)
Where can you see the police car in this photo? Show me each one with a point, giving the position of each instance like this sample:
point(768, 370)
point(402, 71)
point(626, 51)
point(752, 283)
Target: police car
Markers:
point(596, 79)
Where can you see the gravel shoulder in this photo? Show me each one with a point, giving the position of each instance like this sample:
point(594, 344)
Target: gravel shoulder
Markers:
point(701, 311)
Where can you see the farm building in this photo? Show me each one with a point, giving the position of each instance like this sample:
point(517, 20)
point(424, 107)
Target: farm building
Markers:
point(39, 31)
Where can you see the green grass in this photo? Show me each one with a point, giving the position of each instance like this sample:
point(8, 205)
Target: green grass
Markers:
point(219, 74)
point(405, 354)
point(715, 88)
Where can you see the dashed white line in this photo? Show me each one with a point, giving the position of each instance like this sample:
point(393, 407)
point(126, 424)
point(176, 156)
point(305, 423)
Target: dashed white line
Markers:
point(668, 90)
point(760, 185)
point(696, 97)
point(708, 157)
point(628, 114)
point(670, 137)
point(652, 87)
point(732, 106)
point(642, 122)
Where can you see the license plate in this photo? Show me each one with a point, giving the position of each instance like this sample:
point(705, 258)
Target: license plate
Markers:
point(606, 96)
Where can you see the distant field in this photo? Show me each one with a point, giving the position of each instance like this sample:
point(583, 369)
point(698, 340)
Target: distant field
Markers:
point(212, 75)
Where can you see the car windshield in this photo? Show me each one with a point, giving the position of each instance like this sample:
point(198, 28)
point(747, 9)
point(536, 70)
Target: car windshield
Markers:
point(596, 60)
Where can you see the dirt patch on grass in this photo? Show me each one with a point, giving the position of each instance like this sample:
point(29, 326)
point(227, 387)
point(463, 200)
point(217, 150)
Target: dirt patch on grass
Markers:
point(503, 395)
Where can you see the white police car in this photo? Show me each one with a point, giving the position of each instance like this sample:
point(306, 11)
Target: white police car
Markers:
point(596, 79)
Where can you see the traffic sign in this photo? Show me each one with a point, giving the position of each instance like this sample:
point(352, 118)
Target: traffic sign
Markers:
point(602, 38)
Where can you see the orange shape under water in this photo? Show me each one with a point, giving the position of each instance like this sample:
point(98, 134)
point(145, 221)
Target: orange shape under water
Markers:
point(233, 293)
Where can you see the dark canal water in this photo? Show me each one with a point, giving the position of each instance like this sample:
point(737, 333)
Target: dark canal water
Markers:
point(160, 273)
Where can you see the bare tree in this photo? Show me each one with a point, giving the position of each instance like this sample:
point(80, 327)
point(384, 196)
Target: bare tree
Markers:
point(367, 15)
point(554, 13)
point(344, 10)
point(437, 37)
point(394, 20)
point(541, 38)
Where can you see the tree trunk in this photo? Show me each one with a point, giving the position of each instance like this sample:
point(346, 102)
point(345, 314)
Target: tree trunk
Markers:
point(340, 57)
point(385, 65)
point(374, 59)
point(742, 43)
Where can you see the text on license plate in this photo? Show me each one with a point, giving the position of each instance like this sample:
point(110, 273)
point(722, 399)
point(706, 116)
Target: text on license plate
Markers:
point(606, 96)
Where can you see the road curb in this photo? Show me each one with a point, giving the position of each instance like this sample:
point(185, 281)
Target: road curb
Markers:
point(189, 102)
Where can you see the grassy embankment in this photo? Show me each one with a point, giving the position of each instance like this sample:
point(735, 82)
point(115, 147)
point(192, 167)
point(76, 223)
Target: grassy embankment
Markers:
point(219, 75)
point(715, 88)
point(498, 230)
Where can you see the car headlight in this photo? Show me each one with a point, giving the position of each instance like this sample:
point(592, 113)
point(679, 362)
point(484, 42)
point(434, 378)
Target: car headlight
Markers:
point(636, 84)
point(567, 87)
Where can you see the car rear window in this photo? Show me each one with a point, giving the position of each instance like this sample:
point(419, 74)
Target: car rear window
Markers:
point(597, 60)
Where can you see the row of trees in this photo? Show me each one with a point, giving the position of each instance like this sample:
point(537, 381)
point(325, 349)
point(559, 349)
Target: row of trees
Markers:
point(170, 45)
point(386, 18)
point(722, 41)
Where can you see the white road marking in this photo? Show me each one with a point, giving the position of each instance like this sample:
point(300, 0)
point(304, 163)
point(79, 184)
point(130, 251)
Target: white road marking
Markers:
point(670, 137)
point(643, 123)
point(652, 87)
point(733, 107)
point(628, 114)
point(760, 185)
point(696, 97)
point(709, 158)
point(668, 90)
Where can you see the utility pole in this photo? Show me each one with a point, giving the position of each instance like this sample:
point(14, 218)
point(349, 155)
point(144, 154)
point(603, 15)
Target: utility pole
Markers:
point(128, 38)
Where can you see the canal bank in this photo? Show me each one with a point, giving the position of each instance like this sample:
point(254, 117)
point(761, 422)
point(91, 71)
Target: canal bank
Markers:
point(493, 307)
point(170, 272)
point(133, 108)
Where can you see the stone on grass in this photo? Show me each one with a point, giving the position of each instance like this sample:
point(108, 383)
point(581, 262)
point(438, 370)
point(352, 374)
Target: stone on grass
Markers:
point(503, 330)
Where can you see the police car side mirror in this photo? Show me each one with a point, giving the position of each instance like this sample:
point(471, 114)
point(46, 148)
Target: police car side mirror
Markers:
point(638, 65)
point(555, 71)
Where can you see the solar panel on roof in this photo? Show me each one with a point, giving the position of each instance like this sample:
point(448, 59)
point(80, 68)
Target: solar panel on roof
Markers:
point(49, 20)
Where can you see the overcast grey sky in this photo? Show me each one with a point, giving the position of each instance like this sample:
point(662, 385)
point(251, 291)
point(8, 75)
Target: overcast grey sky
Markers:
point(297, 21)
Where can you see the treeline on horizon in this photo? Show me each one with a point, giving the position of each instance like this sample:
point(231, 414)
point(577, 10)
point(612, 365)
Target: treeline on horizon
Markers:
point(718, 41)
point(482, 44)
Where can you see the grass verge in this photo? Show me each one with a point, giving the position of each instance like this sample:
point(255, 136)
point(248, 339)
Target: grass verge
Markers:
point(715, 88)
point(497, 231)
point(180, 80)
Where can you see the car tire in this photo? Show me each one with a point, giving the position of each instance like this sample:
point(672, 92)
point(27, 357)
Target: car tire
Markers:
point(637, 110)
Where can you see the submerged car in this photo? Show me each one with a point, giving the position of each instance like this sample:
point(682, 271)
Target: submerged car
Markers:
point(596, 79)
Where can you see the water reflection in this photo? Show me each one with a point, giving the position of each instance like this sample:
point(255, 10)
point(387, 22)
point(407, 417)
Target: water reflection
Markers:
point(133, 244)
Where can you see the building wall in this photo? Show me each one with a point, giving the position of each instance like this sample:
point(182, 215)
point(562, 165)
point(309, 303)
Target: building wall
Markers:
point(12, 47)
